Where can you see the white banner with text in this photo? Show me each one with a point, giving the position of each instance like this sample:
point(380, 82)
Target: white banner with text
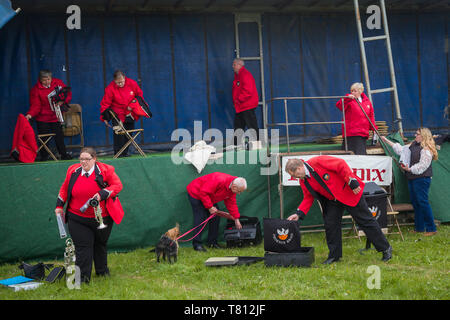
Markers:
point(376, 169)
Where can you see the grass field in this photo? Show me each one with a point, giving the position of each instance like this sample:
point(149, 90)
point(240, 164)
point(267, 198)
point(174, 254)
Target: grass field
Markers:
point(418, 271)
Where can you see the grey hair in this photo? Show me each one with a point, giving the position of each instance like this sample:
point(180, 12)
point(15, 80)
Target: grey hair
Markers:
point(240, 61)
point(240, 183)
point(45, 73)
point(357, 85)
point(292, 165)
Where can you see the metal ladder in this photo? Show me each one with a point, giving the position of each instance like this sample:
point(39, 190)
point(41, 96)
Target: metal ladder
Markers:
point(255, 18)
point(362, 41)
point(251, 18)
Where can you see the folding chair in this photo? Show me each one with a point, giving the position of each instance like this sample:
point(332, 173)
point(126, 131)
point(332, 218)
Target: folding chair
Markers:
point(128, 134)
point(47, 137)
point(354, 228)
point(73, 125)
point(394, 214)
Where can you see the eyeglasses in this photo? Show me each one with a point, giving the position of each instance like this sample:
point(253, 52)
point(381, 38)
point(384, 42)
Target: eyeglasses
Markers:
point(86, 159)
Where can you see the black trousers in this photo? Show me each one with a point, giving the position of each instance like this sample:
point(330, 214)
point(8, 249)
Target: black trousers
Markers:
point(200, 215)
point(332, 216)
point(356, 144)
point(246, 119)
point(52, 127)
point(120, 139)
point(90, 244)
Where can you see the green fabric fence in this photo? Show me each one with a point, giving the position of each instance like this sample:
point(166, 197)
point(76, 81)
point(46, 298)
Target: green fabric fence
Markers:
point(154, 198)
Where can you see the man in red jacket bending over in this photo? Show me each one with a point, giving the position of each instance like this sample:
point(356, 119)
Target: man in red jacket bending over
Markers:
point(245, 99)
point(331, 181)
point(40, 110)
point(204, 193)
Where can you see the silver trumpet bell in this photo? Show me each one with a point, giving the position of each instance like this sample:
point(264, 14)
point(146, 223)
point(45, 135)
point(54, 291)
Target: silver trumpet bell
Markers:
point(99, 218)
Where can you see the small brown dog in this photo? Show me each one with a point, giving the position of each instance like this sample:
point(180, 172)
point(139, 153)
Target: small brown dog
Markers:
point(168, 245)
point(174, 233)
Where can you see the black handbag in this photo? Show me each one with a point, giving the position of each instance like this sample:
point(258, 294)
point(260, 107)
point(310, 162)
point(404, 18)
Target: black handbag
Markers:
point(36, 271)
point(281, 236)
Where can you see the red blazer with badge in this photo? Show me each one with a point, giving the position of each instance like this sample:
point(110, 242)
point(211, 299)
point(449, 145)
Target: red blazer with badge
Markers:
point(213, 188)
point(245, 95)
point(336, 175)
point(108, 186)
point(120, 98)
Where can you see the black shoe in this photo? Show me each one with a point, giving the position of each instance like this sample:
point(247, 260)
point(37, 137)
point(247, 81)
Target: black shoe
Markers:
point(331, 260)
point(215, 246)
point(387, 255)
point(103, 273)
point(199, 247)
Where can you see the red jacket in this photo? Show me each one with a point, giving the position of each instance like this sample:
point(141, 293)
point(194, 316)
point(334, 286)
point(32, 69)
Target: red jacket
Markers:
point(356, 122)
point(104, 173)
point(213, 188)
point(119, 98)
point(24, 147)
point(39, 106)
point(336, 174)
point(245, 95)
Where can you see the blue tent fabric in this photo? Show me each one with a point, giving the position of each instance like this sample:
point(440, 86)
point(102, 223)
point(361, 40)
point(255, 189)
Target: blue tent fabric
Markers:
point(183, 64)
point(6, 12)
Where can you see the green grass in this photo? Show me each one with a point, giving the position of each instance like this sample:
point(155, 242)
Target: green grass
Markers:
point(418, 270)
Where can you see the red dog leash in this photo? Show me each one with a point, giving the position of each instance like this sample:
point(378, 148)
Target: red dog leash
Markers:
point(217, 213)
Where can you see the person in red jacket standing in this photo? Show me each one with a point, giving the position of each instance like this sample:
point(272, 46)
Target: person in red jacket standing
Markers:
point(40, 110)
point(357, 126)
point(245, 99)
point(204, 193)
point(118, 96)
point(332, 182)
point(84, 181)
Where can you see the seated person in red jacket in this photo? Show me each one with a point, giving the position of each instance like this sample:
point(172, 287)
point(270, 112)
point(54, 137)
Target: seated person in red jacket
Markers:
point(245, 99)
point(40, 110)
point(332, 182)
point(356, 124)
point(204, 193)
point(118, 96)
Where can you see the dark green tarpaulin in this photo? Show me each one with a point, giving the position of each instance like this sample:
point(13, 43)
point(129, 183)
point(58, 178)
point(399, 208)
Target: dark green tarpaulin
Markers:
point(154, 199)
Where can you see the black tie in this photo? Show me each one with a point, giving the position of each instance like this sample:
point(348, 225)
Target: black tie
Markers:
point(86, 175)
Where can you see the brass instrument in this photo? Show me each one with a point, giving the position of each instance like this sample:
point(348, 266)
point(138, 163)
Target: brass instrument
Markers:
point(98, 217)
point(54, 98)
point(94, 203)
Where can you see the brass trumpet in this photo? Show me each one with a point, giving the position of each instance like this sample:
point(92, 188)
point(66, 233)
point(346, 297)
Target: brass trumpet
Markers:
point(94, 203)
point(99, 218)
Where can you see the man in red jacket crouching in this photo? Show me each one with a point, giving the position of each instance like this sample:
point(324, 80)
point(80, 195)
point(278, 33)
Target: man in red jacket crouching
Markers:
point(204, 193)
point(332, 182)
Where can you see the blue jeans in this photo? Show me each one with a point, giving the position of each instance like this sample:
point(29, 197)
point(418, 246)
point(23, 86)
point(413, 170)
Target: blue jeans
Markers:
point(423, 215)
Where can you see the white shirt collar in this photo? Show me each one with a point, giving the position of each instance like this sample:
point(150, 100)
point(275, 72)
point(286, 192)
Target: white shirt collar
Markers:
point(307, 174)
point(89, 172)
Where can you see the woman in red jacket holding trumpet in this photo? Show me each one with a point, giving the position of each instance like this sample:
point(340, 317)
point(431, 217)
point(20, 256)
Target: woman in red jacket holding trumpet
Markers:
point(85, 181)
